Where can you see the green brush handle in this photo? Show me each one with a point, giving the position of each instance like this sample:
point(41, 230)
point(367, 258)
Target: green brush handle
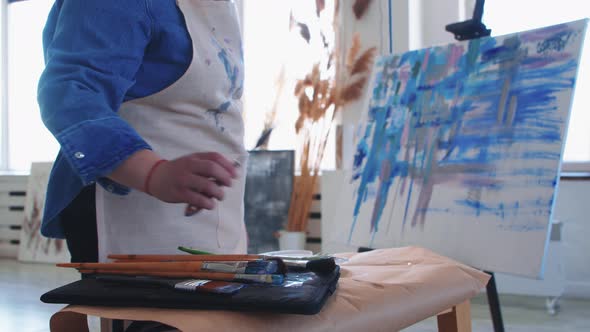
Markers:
point(193, 251)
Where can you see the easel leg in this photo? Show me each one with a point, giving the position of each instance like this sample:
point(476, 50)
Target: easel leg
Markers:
point(552, 305)
point(494, 303)
point(456, 320)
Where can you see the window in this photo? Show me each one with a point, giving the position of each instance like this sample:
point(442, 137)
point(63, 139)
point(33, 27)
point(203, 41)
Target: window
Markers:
point(266, 40)
point(271, 48)
point(508, 16)
point(27, 138)
point(268, 45)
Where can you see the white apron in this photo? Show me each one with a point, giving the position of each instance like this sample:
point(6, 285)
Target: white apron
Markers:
point(200, 112)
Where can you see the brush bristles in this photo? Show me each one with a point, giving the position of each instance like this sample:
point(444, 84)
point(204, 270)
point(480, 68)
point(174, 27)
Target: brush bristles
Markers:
point(324, 266)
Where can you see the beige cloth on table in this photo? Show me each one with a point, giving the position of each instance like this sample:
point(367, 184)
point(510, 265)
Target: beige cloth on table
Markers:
point(380, 290)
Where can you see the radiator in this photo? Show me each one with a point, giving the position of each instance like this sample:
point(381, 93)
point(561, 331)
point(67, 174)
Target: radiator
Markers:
point(12, 206)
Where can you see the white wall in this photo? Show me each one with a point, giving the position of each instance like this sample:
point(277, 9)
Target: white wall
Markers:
point(434, 16)
point(373, 30)
point(572, 210)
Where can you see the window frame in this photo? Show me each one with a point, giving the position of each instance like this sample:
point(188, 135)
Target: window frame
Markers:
point(4, 144)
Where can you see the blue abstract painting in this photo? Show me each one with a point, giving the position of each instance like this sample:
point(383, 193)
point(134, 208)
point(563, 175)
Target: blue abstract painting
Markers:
point(460, 147)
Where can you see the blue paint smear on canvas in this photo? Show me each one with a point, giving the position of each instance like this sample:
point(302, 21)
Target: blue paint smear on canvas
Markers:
point(453, 114)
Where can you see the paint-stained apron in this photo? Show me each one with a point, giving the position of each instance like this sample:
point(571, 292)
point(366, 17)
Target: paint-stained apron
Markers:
point(200, 112)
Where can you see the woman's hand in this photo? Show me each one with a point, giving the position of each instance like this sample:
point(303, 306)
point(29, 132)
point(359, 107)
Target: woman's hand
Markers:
point(197, 179)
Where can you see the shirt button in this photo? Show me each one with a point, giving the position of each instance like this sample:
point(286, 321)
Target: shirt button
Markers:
point(79, 155)
point(110, 188)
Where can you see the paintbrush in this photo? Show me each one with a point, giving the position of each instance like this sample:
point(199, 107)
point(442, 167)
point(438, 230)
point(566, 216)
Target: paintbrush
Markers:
point(317, 263)
point(320, 264)
point(246, 267)
point(208, 257)
point(281, 267)
point(274, 279)
point(180, 258)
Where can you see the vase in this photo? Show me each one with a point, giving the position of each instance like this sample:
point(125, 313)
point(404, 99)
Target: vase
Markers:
point(291, 240)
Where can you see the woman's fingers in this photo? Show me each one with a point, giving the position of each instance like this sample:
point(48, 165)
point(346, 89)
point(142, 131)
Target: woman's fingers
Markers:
point(199, 201)
point(212, 170)
point(197, 179)
point(229, 165)
point(207, 187)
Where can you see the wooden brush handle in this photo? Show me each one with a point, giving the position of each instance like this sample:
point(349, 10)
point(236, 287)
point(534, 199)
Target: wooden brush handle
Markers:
point(181, 258)
point(139, 266)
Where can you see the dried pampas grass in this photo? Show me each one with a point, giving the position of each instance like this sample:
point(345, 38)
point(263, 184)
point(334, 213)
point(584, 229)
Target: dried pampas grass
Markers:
point(364, 63)
point(320, 97)
point(360, 7)
point(271, 115)
point(319, 6)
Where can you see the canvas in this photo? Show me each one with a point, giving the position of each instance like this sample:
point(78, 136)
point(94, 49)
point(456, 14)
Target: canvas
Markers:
point(33, 246)
point(269, 182)
point(460, 149)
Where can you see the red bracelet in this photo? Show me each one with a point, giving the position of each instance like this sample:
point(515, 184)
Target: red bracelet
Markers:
point(146, 185)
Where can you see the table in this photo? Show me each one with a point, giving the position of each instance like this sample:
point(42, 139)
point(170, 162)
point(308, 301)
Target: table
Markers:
point(379, 290)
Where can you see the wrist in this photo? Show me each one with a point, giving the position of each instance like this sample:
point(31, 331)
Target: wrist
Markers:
point(133, 171)
point(148, 178)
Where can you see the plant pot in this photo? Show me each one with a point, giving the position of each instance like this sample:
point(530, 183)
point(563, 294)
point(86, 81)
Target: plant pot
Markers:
point(291, 240)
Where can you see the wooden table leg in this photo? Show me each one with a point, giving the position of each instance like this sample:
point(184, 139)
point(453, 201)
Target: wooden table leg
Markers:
point(106, 325)
point(68, 321)
point(458, 319)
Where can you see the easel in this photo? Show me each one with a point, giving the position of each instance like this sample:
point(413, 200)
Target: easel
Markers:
point(494, 303)
point(472, 29)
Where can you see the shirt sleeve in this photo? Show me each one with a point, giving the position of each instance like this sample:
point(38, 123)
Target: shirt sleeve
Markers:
point(93, 49)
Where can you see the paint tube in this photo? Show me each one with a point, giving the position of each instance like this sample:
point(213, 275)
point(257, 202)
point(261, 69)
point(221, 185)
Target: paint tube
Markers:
point(209, 286)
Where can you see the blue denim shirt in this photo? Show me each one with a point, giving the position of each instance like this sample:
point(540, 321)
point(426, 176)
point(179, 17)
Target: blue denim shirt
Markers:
point(98, 54)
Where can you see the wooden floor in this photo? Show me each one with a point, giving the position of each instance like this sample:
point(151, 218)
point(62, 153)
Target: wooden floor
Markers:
point(21, 285)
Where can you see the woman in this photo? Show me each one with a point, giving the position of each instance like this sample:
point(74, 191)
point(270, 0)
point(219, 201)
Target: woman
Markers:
point(144, 99)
